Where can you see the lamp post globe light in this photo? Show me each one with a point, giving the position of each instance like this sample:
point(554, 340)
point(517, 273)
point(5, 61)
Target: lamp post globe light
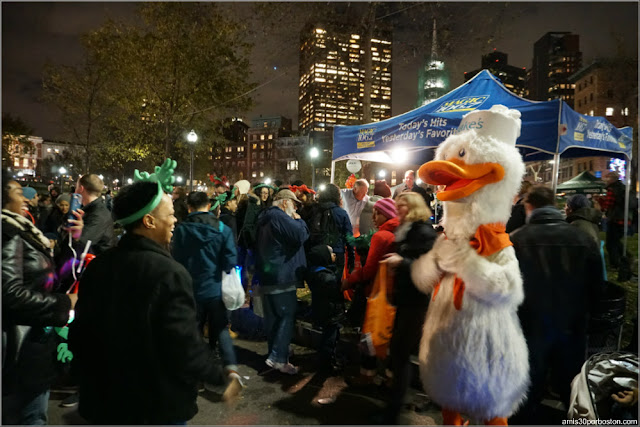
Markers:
point(62, 171)
point(313, 153)
point(382, 173)
point(192, 138)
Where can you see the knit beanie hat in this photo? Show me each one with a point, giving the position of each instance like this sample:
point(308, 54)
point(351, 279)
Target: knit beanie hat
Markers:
point(243, 186)
point(381, 188)
point(29, 192)
point(386, 207)
point(64, 197)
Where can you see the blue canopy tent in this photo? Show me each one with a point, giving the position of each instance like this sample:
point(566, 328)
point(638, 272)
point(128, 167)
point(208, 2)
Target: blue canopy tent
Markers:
point(549, 129)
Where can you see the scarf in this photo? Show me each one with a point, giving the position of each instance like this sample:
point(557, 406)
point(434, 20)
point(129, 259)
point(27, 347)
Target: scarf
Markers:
point(489, 239)
point(27, 228)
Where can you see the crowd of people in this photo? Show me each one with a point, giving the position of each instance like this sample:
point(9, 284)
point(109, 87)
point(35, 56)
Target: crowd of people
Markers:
point(154, 289)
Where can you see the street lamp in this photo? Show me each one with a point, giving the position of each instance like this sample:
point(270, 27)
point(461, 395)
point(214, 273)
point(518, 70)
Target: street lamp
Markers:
point(192, 138)
point(129, 181)
point(313, 153)
point(179, 179)
point(62, 171)
point(382, 173)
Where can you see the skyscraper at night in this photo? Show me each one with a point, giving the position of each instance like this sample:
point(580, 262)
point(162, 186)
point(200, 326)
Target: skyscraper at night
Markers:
point(433, 79)
point(556, 56)
point(513, 78)
point(332, 71)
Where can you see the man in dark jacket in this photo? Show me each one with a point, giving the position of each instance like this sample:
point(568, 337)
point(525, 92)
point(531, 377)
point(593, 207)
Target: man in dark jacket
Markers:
point(206, 248)
point(281, 263)
point(409, 184)
point(135, 338)
point(562, 275)
point(613, 207)
point(98, 223)
point(334, 234)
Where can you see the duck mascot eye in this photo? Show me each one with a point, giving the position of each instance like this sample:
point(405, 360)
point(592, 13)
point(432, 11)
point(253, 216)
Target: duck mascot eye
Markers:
point(473, 355)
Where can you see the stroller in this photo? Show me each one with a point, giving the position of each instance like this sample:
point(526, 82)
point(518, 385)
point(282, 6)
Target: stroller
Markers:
point(602, 375)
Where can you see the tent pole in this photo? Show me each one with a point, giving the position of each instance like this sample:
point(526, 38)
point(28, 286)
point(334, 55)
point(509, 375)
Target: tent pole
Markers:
point(556, 155)
point(626, 208)
point(556, 170)
point(333, 170)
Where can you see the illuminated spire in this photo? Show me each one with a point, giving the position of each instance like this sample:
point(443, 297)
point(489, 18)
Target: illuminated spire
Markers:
point(433, 80)
point(434, 43)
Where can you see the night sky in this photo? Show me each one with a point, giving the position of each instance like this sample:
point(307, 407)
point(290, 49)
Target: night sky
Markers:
point(34, 33)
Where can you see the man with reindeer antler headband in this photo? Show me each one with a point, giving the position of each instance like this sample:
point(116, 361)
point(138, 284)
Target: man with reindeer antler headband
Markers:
point(135, 340)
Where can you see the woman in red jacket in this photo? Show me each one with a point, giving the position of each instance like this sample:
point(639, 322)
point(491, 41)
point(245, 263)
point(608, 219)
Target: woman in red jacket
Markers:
point(385, 219)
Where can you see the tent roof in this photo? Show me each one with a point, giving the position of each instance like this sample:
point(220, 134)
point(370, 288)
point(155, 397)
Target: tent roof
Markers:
point(584, 181)
point(548, 127)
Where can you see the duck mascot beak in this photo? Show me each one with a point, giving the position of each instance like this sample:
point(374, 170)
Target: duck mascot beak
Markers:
point(460, 179)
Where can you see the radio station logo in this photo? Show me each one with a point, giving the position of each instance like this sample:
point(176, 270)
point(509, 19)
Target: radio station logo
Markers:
point(467, 103)
point(578, 133)
point(365, 138)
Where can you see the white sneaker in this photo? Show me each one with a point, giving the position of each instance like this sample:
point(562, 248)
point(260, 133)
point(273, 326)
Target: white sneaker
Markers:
point(285, 368)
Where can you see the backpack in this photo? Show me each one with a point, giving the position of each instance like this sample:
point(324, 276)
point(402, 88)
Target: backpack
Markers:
point(323, 228)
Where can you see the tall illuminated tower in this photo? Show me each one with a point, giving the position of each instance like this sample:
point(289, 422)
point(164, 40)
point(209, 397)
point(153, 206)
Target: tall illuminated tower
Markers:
point(433, 79)
point(331, 89)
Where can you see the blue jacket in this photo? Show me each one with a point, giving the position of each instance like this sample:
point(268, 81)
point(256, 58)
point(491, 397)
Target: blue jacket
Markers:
point(206, 248)
point(280, 241)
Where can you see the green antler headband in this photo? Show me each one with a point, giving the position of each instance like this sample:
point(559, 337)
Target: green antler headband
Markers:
point(163, 175)
point(219, 200)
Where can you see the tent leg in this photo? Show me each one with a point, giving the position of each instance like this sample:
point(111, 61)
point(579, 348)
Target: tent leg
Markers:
point(556, 170)
point(333, 170)
point(626, 209)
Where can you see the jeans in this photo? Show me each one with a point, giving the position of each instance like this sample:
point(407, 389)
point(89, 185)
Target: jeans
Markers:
point(214, 311)
point(25, 408)
point(279, 319)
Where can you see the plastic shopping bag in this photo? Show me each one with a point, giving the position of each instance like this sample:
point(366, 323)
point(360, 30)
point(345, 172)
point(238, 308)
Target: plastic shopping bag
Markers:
point(232, 291)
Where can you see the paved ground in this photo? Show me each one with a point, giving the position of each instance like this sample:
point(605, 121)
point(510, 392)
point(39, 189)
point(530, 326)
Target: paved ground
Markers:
point(272, 398)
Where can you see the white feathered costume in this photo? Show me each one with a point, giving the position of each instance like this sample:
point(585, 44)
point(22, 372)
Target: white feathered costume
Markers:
point(473, 356)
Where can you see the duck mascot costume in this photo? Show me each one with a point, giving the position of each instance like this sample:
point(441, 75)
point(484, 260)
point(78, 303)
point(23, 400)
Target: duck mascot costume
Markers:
point(473, 356)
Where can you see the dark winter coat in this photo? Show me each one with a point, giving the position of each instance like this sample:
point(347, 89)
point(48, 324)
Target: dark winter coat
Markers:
point(344, 229)
point(98, 227)
point(417, 242)
point(229, 219)
point(615, 212)
point(135, 339)
point(518, 216)
point(205, 250)
point(281, 260)
point(562, 274)
point(28, 307)
point(180, 209)
point(247, 237)
point(588, 220)
point(327, 302)
point(52, 223)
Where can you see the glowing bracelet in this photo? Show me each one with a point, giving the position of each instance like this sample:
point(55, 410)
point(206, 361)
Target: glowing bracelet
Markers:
point(142, 212)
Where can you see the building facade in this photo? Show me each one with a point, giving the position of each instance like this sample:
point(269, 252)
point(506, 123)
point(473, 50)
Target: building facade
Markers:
point(262, 135)
point(556, 56)
point(608, 88)
point(232, 160)
point(513, 78)
point(332, 68)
